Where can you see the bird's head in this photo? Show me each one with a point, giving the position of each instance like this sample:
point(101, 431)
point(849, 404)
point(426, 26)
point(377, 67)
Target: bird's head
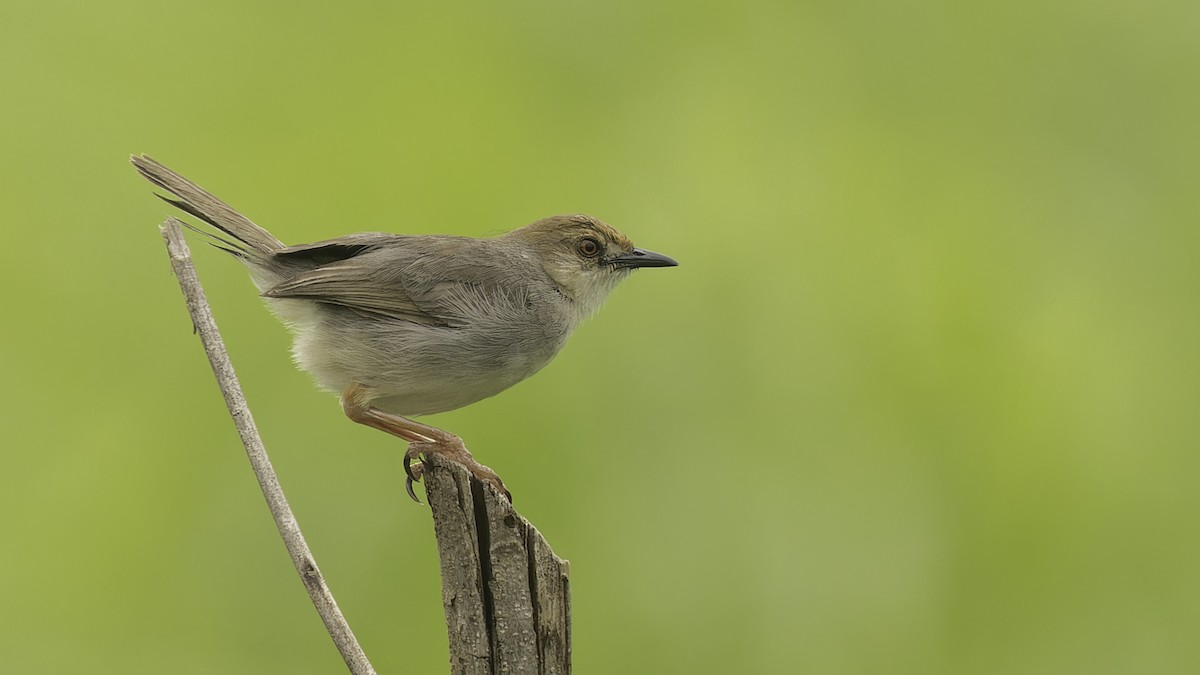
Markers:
point(585, 257)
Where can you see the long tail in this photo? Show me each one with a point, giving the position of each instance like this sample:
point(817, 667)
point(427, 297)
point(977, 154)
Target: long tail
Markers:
point(250, 240)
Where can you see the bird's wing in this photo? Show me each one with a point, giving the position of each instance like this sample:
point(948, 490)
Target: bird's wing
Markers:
point(355, 285)
point(333, 250)
point(420, 280)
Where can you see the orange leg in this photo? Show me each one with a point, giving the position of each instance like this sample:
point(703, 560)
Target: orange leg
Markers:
point(422, 439)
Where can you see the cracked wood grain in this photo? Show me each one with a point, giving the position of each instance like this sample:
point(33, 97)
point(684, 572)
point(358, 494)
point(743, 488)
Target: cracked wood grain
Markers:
point(505, 593)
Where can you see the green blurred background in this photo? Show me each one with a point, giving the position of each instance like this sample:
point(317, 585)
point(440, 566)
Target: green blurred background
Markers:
point(921, 397)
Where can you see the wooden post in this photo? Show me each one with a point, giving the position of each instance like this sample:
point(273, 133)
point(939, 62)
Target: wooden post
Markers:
point(506, 595)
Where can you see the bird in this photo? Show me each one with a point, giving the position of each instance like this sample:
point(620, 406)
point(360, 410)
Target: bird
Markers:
point(401, 326)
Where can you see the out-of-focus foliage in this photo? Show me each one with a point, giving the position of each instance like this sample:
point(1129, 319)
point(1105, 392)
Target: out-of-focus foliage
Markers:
point(921, 397)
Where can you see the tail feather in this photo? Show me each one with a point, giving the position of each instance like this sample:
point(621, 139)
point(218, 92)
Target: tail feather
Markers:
point(251, 239)
point(233, 247)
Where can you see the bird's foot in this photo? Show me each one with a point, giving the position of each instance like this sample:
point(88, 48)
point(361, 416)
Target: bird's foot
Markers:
point(451, 447)
point(413, 472)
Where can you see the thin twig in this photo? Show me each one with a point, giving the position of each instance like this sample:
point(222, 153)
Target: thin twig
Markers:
point(214, 346)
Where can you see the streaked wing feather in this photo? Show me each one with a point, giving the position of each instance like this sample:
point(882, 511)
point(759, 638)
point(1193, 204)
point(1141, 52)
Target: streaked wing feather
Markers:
point(427, 280)
point(350, 284)
point(333, 250)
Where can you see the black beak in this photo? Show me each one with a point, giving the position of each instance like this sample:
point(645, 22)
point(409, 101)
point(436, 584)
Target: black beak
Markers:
point(641, 258)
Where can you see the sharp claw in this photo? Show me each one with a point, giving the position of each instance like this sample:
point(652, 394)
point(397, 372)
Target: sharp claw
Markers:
point(408, 486)
point(412, 476)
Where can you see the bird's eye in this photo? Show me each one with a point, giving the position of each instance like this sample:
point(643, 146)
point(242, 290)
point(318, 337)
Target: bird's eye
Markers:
point(588, 247)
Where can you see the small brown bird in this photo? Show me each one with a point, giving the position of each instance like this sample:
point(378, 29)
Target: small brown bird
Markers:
point(404, 325)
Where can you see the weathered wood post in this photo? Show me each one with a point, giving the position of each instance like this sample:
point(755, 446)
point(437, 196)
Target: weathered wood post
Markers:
point(507, 596)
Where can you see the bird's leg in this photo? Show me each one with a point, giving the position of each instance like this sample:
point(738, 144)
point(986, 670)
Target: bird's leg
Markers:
point(422, 439)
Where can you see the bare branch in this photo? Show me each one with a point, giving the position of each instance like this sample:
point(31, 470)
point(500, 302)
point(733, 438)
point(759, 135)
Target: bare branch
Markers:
point(214, 346)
